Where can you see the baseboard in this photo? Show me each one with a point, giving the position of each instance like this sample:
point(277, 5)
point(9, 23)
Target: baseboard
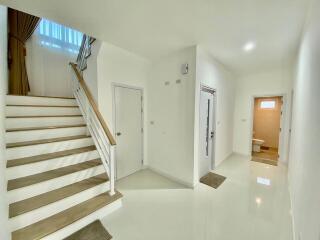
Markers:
point(225, 158)
point(173, 178)
point(144, 166)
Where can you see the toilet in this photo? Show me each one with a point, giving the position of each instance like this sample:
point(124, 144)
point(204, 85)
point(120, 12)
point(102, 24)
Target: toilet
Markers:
point(256, 144)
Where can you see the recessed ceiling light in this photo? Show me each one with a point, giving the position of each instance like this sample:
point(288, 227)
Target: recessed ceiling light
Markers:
point(249, 46)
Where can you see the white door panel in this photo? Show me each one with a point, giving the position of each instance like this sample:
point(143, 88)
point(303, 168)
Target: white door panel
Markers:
point(128, 126)
point(206, 137)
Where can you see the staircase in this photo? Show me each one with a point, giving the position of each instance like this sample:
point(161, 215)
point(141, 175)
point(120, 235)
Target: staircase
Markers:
point(57, 182)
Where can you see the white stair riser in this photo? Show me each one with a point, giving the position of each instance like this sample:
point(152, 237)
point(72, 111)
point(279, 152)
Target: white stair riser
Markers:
point(33, 150)
point(43, 166)
point(56, 207)
point(40, 111)
point(46, 186)
point(99, 214)
point(21, 136)
point(27, 100)
point(42, 122)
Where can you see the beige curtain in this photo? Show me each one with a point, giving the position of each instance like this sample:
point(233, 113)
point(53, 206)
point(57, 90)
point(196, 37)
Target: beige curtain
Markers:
point(21, 27)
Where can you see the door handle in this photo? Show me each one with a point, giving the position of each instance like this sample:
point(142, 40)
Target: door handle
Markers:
point(118, 133)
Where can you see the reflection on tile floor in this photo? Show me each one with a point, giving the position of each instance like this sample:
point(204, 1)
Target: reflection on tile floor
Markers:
point(253, 203)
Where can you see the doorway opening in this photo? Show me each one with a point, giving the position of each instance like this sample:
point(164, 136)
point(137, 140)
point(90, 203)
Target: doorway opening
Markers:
point(207, 130)
point(128, 129)
point(266, 130)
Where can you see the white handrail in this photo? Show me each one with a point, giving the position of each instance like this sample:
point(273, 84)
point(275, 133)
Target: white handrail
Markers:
point(105, 146)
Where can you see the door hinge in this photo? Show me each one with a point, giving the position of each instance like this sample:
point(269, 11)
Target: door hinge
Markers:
point(142, 130)
point(280, 129)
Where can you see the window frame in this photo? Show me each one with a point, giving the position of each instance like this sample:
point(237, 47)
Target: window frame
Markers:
point(267, 106)
point(57, 36)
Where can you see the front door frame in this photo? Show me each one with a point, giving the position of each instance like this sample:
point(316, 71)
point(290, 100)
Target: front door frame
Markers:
point(114, 86)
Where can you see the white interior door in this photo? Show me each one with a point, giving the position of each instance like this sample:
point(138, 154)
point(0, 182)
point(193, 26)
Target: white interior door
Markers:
point(128, 128)
point(207, 132)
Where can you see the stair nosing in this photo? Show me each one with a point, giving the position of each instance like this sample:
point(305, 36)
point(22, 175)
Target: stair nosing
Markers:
point(44, 128)
point(56, 195)
point(48, 156)
point(24, 180)
point(100, 201)
point(36, 105)
point(71, 98)
point(44, 116)
point(44, 141)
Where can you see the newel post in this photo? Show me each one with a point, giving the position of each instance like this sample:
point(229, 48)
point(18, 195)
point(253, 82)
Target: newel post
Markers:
point(112, 170)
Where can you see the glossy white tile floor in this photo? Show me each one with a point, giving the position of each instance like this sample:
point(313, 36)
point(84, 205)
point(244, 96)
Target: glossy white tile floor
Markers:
point(155, 208)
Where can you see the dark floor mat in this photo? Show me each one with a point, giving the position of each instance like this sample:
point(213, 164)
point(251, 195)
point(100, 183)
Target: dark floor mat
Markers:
point(212, 179)
point(93, 231)
point(266, 161)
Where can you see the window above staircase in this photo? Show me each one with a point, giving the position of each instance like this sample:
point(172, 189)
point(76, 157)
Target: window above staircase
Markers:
point(56, 36)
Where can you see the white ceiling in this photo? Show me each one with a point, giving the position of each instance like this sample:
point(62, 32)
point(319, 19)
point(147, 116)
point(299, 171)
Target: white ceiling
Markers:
point(152, 28)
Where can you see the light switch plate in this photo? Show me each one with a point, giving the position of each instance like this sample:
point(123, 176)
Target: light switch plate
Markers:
point(184, 68)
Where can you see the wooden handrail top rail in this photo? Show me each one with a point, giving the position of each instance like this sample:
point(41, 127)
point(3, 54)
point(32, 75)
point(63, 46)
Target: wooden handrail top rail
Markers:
point(93, 104)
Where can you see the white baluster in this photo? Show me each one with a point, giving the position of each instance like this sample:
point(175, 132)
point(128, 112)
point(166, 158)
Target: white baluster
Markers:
point(87, 115)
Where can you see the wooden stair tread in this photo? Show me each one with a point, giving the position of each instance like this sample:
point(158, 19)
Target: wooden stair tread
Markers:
point(44, 199)
point(48, 156)
point(44, 116)
point(60, 220)
point(93, 231)
point(43, 141)
point(45, 176)
point(40, 105)
point(40, 96)
point(44, 128)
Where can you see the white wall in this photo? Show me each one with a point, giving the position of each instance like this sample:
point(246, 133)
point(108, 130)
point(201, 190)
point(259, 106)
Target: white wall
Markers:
point(90, 75)
point(171, 116)
point(48, 69)
point(4, 232)
point(213, 74)
point(116, 65)
point(304, 164)
point(268, 83)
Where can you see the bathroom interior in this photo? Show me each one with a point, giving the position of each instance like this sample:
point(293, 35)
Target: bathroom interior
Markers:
point(266, 129)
